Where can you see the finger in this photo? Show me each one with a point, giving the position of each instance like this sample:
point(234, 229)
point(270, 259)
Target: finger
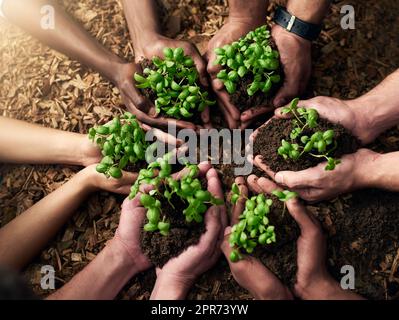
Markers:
point(214, 184)
point(251, 114)
point(131, 204)
point(163, 136)
point(201, 67)
point(203, 169)
point(224, 97)
point(159, 122)
point(205, 117)
point(267, 185)
point(252, 181)
point(231, 122)
point(142, 103)
point(258, 161)
point(209, 239)
point(289, 90)
point(239, 207)
point(225, 246)
point(212, 68)
point(146, 188)
point(300, 179)
point(300, 215)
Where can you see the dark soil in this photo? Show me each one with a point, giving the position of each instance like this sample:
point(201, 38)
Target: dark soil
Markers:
point(269, 139)
point(365, 235)
point(160, 249)
point(244, 102)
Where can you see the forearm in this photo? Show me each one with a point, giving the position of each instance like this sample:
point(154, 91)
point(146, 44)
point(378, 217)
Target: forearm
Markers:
point(22, 142)
point(142, 20)
point(312, 11)
point(167, 288)
point(378, 110)
point(101, 279)
point(248, 10)
point(327, 289)
point(67, 36)
point(25, 236)
point(381, 171)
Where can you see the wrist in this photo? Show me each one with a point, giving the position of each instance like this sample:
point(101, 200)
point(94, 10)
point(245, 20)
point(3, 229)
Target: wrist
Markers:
point(171, 287)
point(142, 40)
point(367, 169)
point(124, 256)
point(252, 12)
point(318, 288)
point(309, 12)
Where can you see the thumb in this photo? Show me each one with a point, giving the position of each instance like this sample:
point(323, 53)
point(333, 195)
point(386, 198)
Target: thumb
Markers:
point(289, 90)
point(300, 179)
point(226, 249)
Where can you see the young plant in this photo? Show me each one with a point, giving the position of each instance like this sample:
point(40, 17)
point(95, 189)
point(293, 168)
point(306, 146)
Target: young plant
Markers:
point(319, 145)
point(122, 142)
point(188, 189)
point(251, 55)
point(175, 83)
point(253, 227)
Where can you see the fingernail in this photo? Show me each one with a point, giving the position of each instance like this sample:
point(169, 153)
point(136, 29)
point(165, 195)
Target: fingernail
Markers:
point(279, 178)
point(227, 231)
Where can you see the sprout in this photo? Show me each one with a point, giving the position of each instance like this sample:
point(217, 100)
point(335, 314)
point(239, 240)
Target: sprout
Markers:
point(253, 228)
point(188, 189)
point(319, 145)
point(174, 81)
point(122, 142)
point(251, 55)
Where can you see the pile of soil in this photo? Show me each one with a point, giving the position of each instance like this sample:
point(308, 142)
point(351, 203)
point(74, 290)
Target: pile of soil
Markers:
point(160, 249)
point(244, 102)
point(270, 136)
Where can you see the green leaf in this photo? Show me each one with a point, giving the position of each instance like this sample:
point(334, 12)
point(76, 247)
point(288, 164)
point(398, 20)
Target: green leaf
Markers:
point(115, 172)
point(102, 168)
point(139, 78)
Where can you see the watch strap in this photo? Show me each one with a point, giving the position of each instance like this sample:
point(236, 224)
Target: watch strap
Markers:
point(306, 30)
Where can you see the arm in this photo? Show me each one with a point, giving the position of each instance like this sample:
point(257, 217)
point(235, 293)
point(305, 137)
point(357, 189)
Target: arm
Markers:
point(67, 37)
point(32, 230)
point(244, 16)
point(295, 51)
point(119, 261)
point(29, 143)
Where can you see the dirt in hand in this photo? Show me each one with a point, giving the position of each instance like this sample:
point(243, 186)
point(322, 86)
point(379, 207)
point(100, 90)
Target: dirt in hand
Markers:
point(160, 249)
point(270, 136)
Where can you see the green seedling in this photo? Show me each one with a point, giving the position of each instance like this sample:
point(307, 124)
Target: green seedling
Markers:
point(188, 189)
point(175, 82)
point(254, 227)
point(319, 145)
point(122, 142)
point(250, 55)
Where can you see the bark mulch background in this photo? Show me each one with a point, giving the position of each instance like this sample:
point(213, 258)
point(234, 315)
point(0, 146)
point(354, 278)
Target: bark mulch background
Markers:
point(42, 86)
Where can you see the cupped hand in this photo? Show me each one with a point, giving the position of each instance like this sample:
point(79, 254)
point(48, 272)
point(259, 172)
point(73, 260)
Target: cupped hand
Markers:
point(312, 272)
point(155, 48)
point(128, 233)
point(296, 59)
point(249, 272)
point(233, 30)
point(98, 181)
point(138, 104)
point(343, 112)
point(180, 273)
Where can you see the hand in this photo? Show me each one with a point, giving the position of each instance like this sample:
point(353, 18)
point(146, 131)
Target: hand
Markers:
point(295, 56)
point(97, 181)
point(234, 29)
point(127, 236)
point(316, 184)
point(154, 47)
point(250, 273)
point(89, 152)
point(346, 113)
point(312, 277)
point(178, 275)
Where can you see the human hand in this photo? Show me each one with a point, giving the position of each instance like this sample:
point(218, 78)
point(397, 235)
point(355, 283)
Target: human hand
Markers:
point(234, 29)
point(138, 104)
point(94, 181)
point(155, 45)
point(312, 277)
point(249, 272)
point(347, 113)
point(316, 184)
point(127, 236)
point(178, 275)
point(296, 59)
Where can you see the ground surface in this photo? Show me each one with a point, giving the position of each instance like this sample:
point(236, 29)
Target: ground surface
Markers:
point(41, 86)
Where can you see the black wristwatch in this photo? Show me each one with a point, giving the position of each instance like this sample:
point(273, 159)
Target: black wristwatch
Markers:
point(306, 30)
